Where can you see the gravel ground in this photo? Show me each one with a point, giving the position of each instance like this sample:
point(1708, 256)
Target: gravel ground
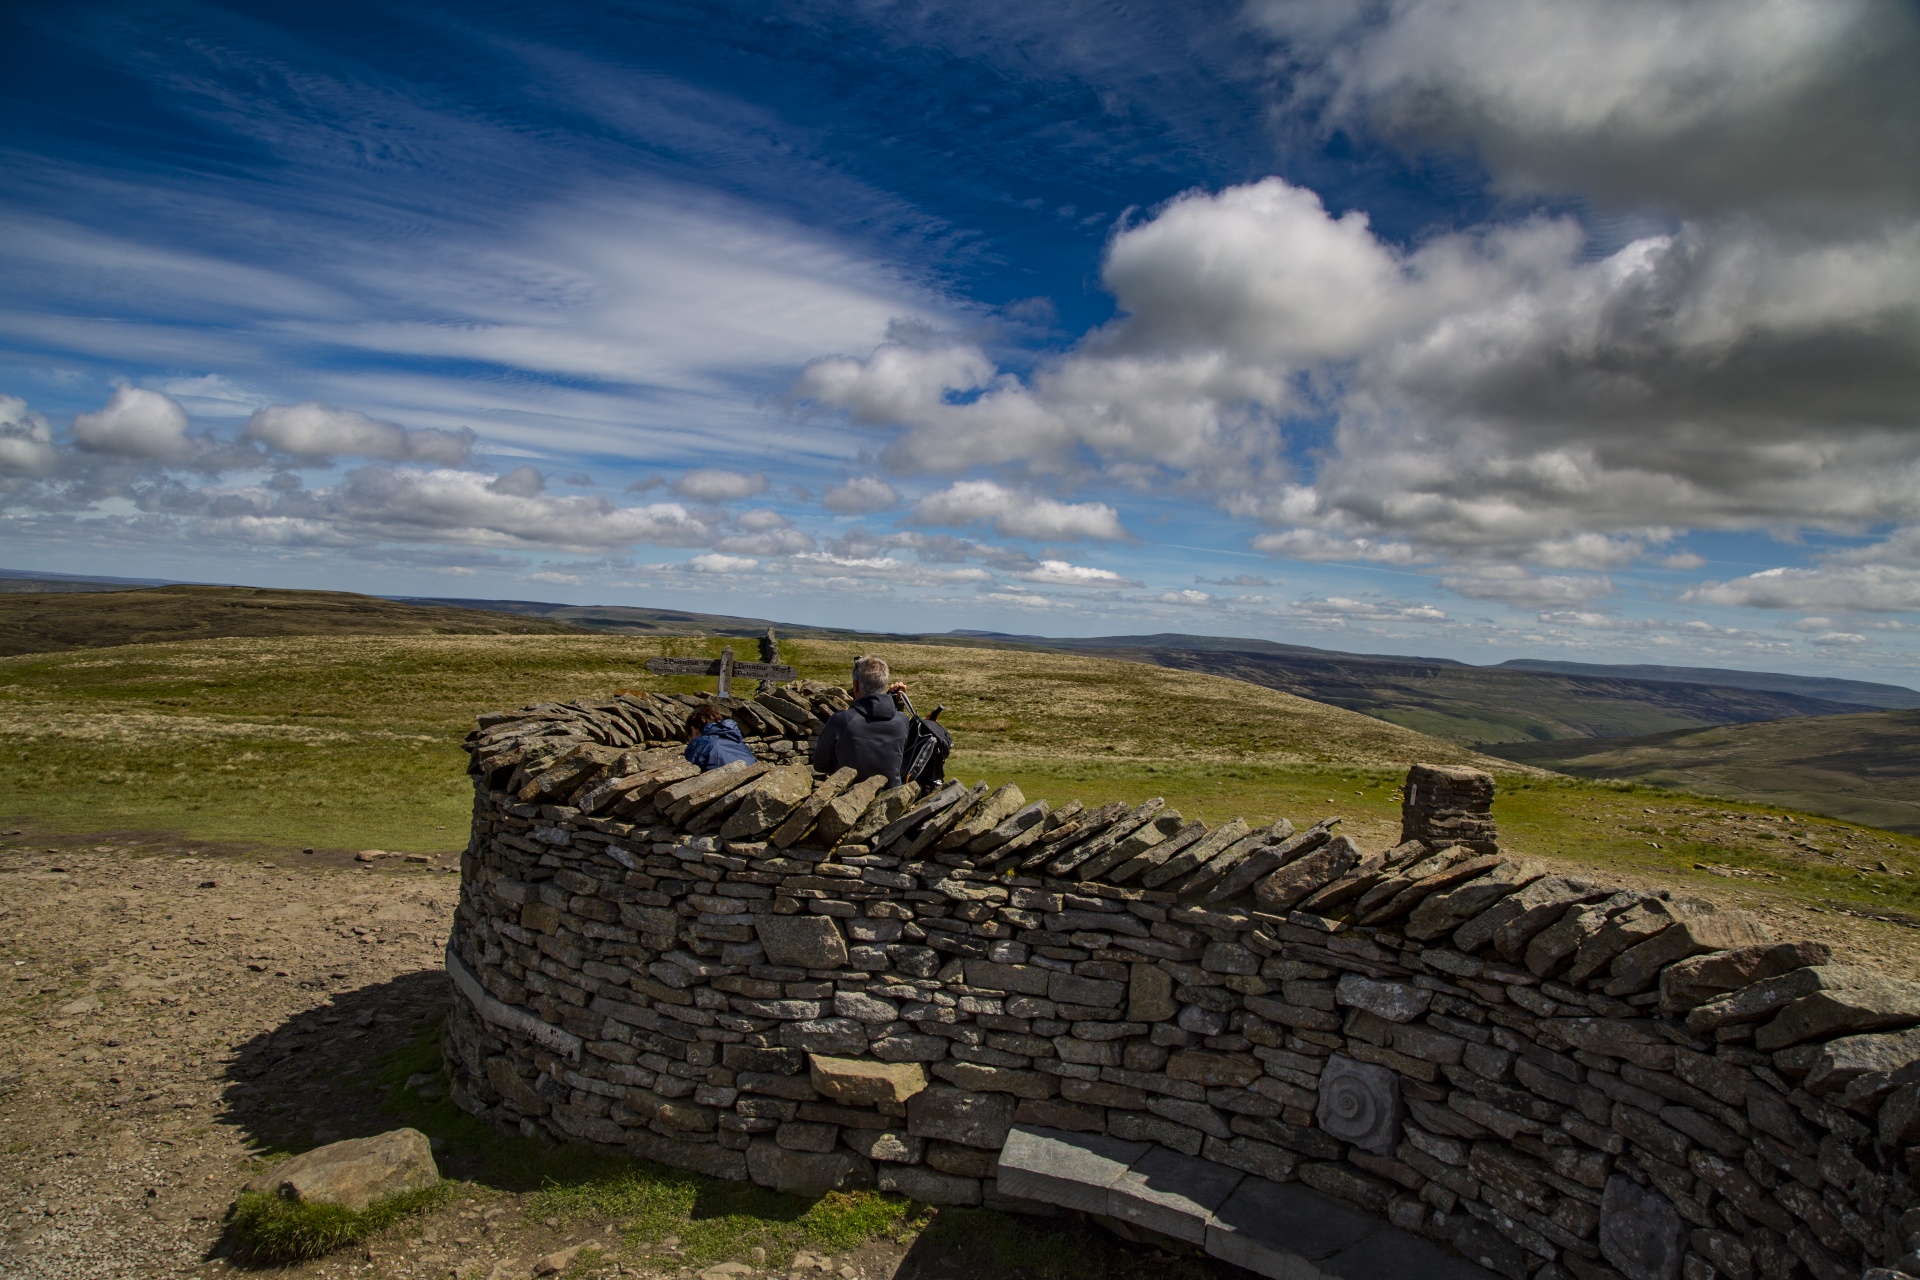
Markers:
point(170, 1012)
point(167, 1013)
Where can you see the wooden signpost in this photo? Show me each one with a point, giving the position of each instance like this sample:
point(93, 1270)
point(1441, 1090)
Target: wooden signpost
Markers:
point(726, 668)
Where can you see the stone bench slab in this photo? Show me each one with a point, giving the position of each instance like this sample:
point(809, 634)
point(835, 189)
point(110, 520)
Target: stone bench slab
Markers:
point(1072, 1170)
point(1284, 1231)
point(1172, 1193)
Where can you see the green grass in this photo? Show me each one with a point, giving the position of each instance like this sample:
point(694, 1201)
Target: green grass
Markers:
point(267, 1230)
point(716, 1221)
point(353, 742)
point(1705, 842)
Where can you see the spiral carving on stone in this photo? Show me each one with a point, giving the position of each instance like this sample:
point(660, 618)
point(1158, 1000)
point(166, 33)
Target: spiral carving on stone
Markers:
point(1360, 1103)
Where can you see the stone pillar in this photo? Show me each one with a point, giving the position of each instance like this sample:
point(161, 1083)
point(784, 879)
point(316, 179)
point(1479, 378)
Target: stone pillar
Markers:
point(1448, 804)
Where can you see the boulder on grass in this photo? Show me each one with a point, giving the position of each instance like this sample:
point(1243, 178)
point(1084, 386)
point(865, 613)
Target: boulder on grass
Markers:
point(355, 1173)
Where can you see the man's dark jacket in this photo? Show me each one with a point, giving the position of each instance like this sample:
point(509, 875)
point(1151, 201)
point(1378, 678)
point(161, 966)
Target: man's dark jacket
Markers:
point(870, 736)
point(719, 743)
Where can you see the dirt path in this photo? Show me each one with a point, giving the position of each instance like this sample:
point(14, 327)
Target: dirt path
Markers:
point(141, 983)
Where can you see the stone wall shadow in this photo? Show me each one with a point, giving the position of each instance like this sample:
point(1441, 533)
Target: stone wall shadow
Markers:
point(318, 1076)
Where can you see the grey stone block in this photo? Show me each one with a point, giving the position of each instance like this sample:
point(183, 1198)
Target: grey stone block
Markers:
point(1281, 1229)
point(928, 1185)
point(972, 1119)
point(808, 942)
point(806, 1173)
point(1072, 1170)
point(1171, 1193)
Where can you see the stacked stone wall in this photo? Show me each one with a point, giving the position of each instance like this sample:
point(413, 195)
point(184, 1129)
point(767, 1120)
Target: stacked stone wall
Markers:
point(763, 973)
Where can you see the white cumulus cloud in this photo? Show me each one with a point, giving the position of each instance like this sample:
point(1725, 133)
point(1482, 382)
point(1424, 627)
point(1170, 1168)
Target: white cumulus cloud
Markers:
point(1015, 514)
point(1061, 573)
point(714, 562)
point(860, 495)
point(26, 441)
point(134, 423)
point(315, 430)
point(716, 484)
point(1865, 588)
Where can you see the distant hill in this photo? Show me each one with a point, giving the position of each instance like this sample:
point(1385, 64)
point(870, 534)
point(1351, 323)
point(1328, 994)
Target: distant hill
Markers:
point(1888, 697)
point(51, 621)
point(17, 580)
point(629, 619)
point(1524, 700)
point(1862, 768)
point(1476, 706)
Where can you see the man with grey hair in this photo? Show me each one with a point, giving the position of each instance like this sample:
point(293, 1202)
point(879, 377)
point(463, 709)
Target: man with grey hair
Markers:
point(871, 735)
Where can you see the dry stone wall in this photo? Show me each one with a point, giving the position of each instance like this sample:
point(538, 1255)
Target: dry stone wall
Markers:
point(759, 972)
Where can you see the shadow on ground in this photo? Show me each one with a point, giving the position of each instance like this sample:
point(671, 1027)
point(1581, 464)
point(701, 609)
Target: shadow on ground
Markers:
point(320, 1076)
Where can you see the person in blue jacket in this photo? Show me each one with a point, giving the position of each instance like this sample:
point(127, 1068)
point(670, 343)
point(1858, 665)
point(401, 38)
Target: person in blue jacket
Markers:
point(716, 739)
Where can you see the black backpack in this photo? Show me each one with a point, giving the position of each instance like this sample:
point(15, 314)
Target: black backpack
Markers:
point(927, 749)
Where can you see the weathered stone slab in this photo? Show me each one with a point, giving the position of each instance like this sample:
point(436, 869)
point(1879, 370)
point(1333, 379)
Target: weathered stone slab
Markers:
point(1697, 927)
point(1213, 1069)
point(1690, 983)
point(1015, 824)
point(929, 1185)
point(1394, 1001)
point(1068, 988)
point(355, 1173)
point(1288, 885)
point(1259, 1158)
point(1150, 994)
point(686, 795)
point(844, 811)
point(1281, 1229)
point(801, 820)
point(886, 807)
point(1026, 979)
point(838, 1036)
point(1171, 1193)
point(806, 1173)
point(1000, 805)
point(1763, 999)
point(768, 801)
point(1072, 1170)
point(1443, 912)
point(856, 1082)
point(700, 1157)
point(981, 1077)
point(1640, 1234)
point(1553, 947)
point(1511, 923)
point(1867, 1001)
point(806, 942)
point(1845, 1060)
point(957, 1115)
point(1098, 842)
point(1057, 1113)
point(1622, 929)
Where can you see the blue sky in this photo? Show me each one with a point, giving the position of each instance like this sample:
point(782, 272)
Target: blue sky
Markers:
point(1475, 328)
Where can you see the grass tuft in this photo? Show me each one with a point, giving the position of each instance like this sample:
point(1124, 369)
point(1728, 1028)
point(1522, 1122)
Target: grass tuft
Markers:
point(268, 1230)
point(716, 1220)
